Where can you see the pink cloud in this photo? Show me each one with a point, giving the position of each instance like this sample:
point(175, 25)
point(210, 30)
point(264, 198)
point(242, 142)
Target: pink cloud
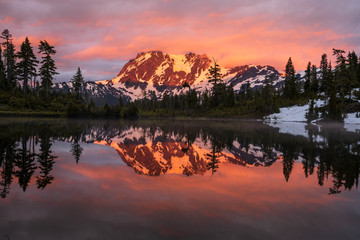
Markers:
point(234, 32)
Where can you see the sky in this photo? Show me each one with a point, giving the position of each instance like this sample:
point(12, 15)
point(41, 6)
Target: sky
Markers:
point(100, 36)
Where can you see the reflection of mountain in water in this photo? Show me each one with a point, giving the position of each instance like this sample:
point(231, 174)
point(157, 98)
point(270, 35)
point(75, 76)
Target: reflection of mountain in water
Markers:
point(161, 153)
point(182, 147)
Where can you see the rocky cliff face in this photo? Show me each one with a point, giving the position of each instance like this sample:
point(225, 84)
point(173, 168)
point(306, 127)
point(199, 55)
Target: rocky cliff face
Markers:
point(160, 72)
point(160, 69)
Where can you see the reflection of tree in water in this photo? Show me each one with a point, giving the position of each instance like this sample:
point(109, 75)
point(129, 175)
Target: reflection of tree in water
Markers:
point(335, 158)
point(8, 154)
point(337, 155)
point(24, 164)
point(76, 149)
point(18, 157)
point(213, 158)
point(289, 156)
point(216, 148)
point(46, 162)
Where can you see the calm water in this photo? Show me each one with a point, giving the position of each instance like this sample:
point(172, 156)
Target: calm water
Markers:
point(170, 179)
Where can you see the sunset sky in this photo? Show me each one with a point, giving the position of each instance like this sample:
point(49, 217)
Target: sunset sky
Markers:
point(101, 36)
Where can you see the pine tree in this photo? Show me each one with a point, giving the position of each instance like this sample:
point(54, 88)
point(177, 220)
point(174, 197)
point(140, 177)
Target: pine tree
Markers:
point(27, 64)
point(215, 79)
point(329, 80)
point(290, 88)
point(230, 96)
point(78, 82)
point(2, 72)
point(307, 80)
point(48, 68)
point(353, 65)
point(215, 74)
point(341, 78)
point(334, 110)
point(249, 92)
point(314, 82)
point(10, 59)
point(323, 73)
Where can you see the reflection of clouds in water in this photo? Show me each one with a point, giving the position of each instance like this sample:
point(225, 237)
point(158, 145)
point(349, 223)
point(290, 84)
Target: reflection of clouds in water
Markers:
point(253, 203)
point(92, 153)
point(100, 198)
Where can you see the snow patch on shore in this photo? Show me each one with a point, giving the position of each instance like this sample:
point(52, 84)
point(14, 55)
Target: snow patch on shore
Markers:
point(292, 114)
point(293, 120)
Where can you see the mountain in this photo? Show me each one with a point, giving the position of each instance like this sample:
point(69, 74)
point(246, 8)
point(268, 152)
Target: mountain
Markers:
point(100, 93)
point(158, 72)
point(159, 69)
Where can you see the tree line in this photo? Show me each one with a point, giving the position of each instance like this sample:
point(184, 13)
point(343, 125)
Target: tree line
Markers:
point(338, 86)
point(26, 84)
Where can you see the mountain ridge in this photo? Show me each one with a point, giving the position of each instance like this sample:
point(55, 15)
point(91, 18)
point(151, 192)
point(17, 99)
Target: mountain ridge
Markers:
point(155, 72)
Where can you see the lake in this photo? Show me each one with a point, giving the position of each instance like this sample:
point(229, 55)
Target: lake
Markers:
point(178, 179)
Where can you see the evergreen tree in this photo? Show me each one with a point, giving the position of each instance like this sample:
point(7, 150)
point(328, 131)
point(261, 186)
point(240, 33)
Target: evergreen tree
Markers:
point(215, 74)
point(341, 78)
point(334, 110)
point(290, 88)
point(353, 65)
point(91, 106)
point(2, 72)
point(307, 80)
point(230, 96)
point(78, 82)
point(249, 92)
point(324, 73)
point(48, 68)
point(215, 79)
point(205, 101)
point(314, 82)
point(10, 59)
point(27, 65)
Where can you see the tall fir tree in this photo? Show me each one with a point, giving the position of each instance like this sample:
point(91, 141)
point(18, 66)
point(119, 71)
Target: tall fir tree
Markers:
point(2, 72)
point(215, 77)
point(334, 110)
point(78, 82)
point(26, 66)
point(323, 73)
point(353, 72)
point(314, 82)
point(48, 68)
point(290, 88)
point(10, 59)
point(307, 80)
point(342, 81)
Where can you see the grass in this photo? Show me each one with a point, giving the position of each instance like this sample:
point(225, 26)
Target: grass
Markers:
point(24, 113)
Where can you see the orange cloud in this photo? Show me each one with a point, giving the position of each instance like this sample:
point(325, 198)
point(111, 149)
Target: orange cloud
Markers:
point(233, 32)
